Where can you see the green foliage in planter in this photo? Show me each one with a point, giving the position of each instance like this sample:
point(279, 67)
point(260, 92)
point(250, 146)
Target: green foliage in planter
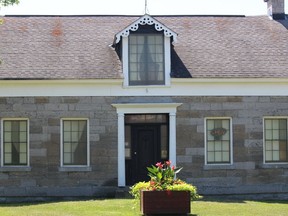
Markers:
point(136, 188)
point(162, 177)
point(183, 186)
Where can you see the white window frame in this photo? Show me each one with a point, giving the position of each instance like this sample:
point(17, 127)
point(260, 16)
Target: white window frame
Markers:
point(12, 167)
point(231, 141)
point(61, 146)
point(167, 62)
point(264, 140)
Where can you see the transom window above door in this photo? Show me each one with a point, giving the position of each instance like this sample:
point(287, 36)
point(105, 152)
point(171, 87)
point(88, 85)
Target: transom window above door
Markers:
point(146, 59)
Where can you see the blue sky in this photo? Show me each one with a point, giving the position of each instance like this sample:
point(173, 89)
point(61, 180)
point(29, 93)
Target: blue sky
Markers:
point(137, 7)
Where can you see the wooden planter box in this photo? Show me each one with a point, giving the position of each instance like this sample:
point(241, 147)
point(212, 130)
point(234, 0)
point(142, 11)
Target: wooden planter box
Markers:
point(165, 202)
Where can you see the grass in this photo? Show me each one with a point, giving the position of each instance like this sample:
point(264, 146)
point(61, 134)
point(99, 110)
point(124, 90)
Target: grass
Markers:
point(123, 207)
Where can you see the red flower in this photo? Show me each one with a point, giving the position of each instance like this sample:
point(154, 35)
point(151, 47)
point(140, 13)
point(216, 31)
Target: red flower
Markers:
point(173, 167)
point(159, 164)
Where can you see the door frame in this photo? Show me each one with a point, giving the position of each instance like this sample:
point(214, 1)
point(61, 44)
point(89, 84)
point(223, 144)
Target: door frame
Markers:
point(143, 108)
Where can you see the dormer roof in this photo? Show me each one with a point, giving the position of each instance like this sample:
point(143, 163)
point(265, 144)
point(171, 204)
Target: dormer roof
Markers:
point(145, 20)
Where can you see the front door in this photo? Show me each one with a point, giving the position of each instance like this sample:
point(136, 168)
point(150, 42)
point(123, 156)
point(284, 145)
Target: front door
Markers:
point(145, 150)
point(146, 143)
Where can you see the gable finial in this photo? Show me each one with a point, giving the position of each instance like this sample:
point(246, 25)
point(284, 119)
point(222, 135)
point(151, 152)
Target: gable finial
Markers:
point(146, 7)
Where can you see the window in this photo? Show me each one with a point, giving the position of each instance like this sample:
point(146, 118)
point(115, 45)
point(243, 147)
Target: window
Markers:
point(218, 141)
point(74, 142)
point(146, 59)
point(275, 140)
point(15, 142)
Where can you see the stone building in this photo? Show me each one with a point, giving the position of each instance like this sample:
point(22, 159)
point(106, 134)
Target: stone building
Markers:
point(88, 102)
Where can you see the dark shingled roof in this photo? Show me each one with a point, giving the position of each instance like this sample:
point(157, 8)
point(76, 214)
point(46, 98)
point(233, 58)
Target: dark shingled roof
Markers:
point(77, 47)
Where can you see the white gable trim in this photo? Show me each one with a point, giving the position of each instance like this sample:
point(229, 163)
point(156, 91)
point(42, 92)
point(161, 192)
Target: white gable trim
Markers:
point(122, 109)
point(145, 20)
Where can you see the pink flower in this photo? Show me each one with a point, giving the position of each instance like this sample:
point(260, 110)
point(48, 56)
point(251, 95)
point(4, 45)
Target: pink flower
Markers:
point(159, 164)
point(168, 163)
point(173, 167)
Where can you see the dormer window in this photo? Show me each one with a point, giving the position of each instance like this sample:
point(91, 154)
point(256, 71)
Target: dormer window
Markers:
point(146, 59)
point(145, 53)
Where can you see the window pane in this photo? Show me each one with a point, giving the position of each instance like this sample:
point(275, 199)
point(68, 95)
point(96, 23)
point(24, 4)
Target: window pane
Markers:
point(67, 158)
point(275, 124)
point(211, 146)
point(74, 136)
point(23, 126)
point(74, 126)
point(8, 147)
point(23, 148)
point(23, 136)
point(7, 137)
point(268, 145)
point(268, 124)
point(218, 156)
point(268, 134)
point(225, 146)
point(7, 125)
point(23, 158)
point(8, 158)
point(275, 146)
point(268, 155)
point(211, 157)
point(218, 146)
point(226, 157)
point(276, 156)
point(67, 126)
point(275, 134)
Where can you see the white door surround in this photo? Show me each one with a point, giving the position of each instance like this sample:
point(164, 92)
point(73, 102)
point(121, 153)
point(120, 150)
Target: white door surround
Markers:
point(143, 108)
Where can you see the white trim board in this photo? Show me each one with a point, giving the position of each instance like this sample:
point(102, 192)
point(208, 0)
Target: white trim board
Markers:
point(178, 87)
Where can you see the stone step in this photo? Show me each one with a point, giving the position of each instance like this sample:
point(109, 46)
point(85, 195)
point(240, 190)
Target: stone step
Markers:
point(123, 192)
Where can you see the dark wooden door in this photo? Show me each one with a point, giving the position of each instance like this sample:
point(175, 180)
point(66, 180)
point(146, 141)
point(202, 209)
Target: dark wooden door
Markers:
point(145, 150)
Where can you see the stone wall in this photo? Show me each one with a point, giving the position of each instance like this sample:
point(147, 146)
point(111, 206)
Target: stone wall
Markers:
point(44, 178)
point(247, 174)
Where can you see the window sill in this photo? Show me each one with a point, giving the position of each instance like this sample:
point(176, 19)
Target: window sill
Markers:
point(219, 167)
point(274, 165)
point(75, 169)
point(147, 86)
point(15, 169)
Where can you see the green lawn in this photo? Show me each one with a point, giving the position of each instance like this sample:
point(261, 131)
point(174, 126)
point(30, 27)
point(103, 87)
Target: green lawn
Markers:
point(125, 207)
